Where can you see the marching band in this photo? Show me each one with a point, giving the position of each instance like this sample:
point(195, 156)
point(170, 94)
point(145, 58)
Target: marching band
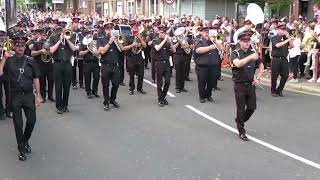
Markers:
point(83, 50)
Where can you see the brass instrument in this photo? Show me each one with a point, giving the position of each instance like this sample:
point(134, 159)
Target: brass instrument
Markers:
point(67, 35)
point(217, 38)
point(138, 49)
point(121, 39)
point(91, 44)
point(47, 57)
point(7, 45)
point(179, 34)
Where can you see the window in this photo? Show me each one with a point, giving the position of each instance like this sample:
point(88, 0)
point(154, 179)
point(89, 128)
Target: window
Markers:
point(131, 7)
point(119, 7)
point(105, 8)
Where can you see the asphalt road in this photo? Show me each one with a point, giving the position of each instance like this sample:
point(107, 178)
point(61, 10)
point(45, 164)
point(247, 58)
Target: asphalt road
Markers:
point(141, 141)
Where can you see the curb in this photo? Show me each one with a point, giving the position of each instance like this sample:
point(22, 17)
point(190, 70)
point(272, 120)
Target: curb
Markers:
point(288, 86)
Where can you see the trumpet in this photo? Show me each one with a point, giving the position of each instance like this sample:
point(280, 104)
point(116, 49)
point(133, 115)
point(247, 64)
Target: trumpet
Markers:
point(7, 45)
point(67, 35)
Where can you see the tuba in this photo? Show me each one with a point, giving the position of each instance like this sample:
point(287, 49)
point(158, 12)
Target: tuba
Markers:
point(138, 49)
point(182, 39)
point(91, 43)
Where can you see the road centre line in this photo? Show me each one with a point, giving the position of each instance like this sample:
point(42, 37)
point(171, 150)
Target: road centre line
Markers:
point(154, 85)
point(258, 141)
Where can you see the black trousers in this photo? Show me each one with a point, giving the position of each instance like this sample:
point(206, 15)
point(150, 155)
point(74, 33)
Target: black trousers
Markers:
point(46, 76)
point(135, 67)
point(294, 66)
point(207, 78)
point(6, 85)
point(162, 71)
point(62, 78)
point(110, 73)
point(153, 66)
point(187, 66)
point(245, 95)
point(26, 102)
point(181, 70)
point(91, 70)
point(147, 57)
point(302, 60)
point(1, 96)
point(121, 67)
point(77, 63)
point(279, 66)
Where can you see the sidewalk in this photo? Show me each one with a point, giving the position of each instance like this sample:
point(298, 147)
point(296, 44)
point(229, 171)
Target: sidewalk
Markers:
point(303, 85)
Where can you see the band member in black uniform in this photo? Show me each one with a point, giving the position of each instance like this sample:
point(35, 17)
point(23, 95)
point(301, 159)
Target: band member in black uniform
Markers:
point(135, 63)
point(244, 64)
point(24, 77)
point(78, 61)
point(40, 48)
point(279, 64)
point(181, 58)
point(109, 69)
point(121, 64)
point(62, 50)
point(162, 48)
point(91, 66)
point(153, 36)
point(207, 61)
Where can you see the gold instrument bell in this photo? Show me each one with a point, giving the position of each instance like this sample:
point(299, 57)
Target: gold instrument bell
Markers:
point(68, 33)
point(122, 39)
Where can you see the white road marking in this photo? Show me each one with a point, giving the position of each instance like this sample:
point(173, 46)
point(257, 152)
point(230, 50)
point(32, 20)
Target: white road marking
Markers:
point(154, 85)
point(270, 146)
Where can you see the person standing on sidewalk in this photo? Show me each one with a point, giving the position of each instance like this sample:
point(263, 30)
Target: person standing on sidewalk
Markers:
point(279, 64)
point(244, 64)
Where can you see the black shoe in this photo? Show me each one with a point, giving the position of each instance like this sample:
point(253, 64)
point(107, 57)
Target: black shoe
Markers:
point(210, 99)
point(202, 100)
point(216, 88)
point(115, 104)
point(178, 91)
point(81, 86)
point(65, 109)
point(43, 100)
point(184, 90)
point(131, 92)
point(59, 111)
point(74, 87)
point(106, 107)
point(221, 79)
point(141, 91)
point(9, 114)
point(243, 137)
point(2, 117)
point(165, 102)
point(280, 94)
point(51, 99)
point(96, 95)
point(146, 67)
point(89, 96)
point(275, 94)
point(122, 84)
point(160, 103)
point(27, 148)
point(22, 156)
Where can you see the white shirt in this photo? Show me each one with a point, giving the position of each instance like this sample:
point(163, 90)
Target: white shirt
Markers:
point(295, 50)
